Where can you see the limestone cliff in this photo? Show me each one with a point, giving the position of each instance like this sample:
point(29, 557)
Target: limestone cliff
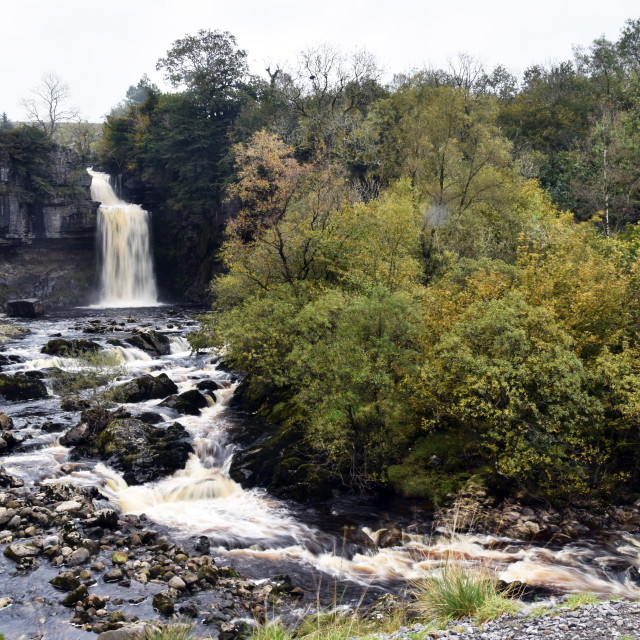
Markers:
point(47, 223)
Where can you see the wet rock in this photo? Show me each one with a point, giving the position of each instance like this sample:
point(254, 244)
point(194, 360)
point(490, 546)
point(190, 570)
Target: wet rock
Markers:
point(203, 544)
point(92, 423)
point(20, 552)
point(390, 537)
point(163, 604)
point(26, 308)
point(357, 536)
point(208, 574)
point(147, 387)
point(7, 442)
point(190, 402)
point(21, 387)
point(177, 583)
point(6, 423)
point(106, 518)
point(150, 341)
point(77, 595)
point(208, 385)
point(119, 557)
point(78, 557)
point(144, 452)
point(188, 610)
point(5, 602)
point(66, 581)
point(67, 348)
point(74, 404)
point(95, 601)
point(52, 427)
point(149, 417)
point(7, 480)
point(114, 575)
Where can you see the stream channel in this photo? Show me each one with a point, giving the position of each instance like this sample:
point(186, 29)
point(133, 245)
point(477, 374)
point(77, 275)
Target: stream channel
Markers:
point(255, 533)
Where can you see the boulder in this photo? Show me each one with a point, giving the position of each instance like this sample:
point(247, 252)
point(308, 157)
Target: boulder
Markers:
point(150, 341)
point(27, 308)
point(6, 423)
point(190, 402)
point(84, 434)
point(146, 387)
point(62, 347)
point(19, 552)
point(144, 452)
point(21, 387)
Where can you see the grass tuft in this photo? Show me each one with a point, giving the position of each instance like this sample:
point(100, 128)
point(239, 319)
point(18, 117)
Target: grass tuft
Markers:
point(172, 631)
point(457, 591)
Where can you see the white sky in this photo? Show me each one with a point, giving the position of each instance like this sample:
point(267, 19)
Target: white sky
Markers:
point(99, 49)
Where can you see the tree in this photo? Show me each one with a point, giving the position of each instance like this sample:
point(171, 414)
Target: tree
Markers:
point(5, 123)
point(48, 106)
point(507, 377)
point(327, 95)
point(211, 67)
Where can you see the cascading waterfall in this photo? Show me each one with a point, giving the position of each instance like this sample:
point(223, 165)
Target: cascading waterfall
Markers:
point(126, 278)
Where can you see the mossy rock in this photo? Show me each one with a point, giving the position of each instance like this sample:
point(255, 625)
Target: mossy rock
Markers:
point(65, 581)
point(146, 387)
point(69, 348)
point(119, 557)
point(301, 480)
point(209, 574)
point(163, 604)
point(189, 403)
point(21, 387)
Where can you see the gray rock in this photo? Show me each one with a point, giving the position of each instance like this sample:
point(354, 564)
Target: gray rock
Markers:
point(18, 552)
point(79, 556)
point(27, 308)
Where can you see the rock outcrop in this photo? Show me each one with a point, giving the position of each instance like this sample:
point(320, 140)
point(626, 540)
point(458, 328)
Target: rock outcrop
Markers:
point(47, 235)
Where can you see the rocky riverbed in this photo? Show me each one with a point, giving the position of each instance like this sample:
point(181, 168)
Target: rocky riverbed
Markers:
point(109, 570)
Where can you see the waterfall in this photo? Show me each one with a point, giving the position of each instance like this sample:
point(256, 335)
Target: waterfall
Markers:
point(126, 277)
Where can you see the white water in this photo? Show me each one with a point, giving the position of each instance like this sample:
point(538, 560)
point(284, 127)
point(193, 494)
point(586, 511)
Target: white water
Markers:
point(126, 278)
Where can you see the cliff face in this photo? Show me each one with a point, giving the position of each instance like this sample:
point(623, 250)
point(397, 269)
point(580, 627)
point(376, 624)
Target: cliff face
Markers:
point(65, 216)
point(47, 226)
point(186, 242)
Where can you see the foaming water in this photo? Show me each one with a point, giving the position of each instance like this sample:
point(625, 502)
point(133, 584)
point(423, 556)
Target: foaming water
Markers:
point(127, 278)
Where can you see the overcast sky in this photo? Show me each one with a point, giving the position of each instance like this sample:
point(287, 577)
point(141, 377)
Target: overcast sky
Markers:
point(100, 48)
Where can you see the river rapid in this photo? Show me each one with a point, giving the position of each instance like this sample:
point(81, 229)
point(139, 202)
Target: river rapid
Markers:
point(249, 529)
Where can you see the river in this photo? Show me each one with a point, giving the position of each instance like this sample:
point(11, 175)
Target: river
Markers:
point(248, 528)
